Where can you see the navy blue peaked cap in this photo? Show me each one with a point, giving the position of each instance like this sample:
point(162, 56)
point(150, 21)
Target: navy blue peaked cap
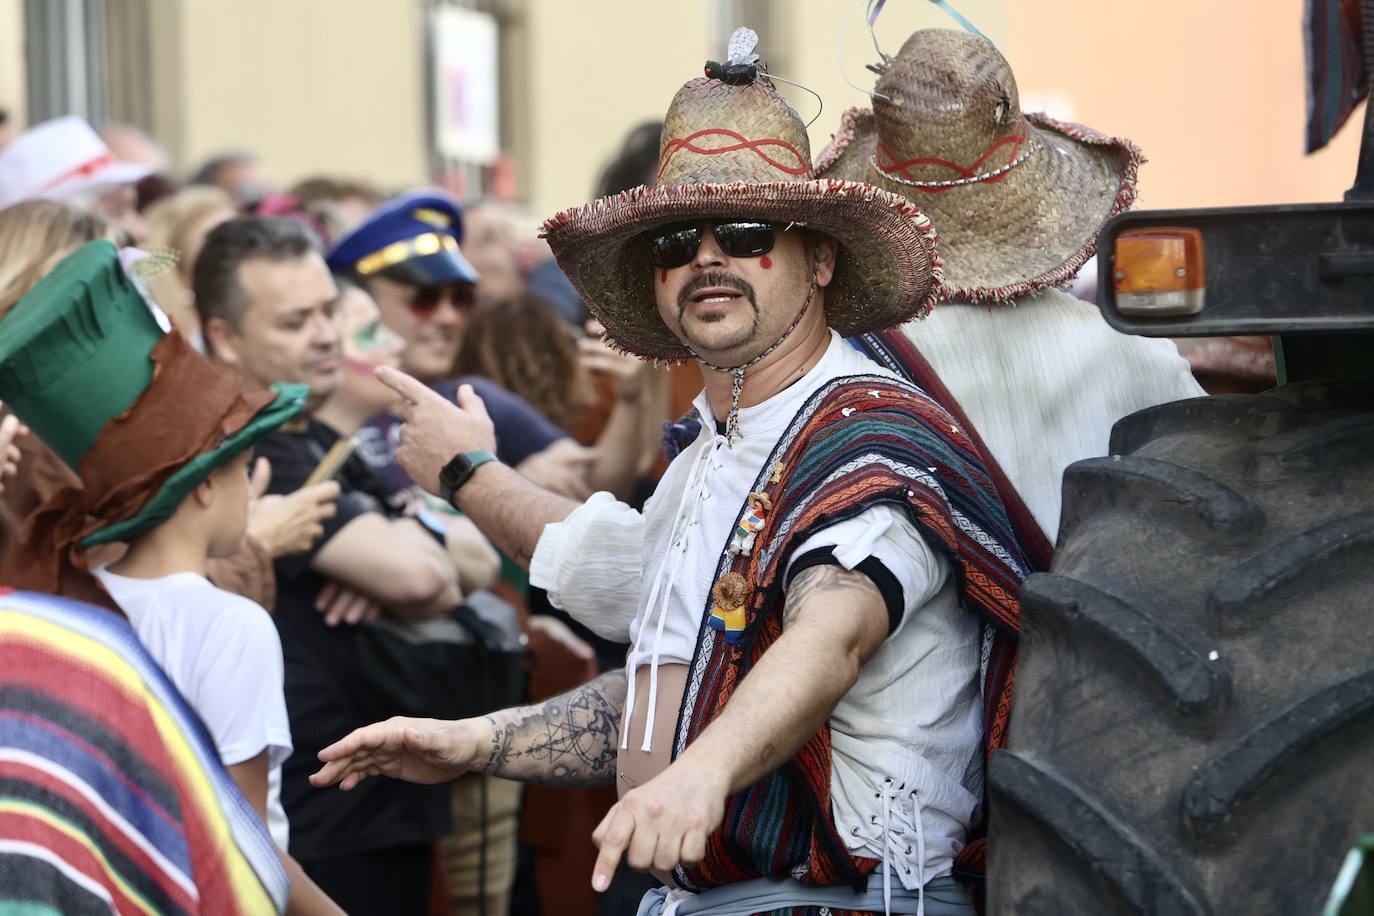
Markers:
point(412, 239)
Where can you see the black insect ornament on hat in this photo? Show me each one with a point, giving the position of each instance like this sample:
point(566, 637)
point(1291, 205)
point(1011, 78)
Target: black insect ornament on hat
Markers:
point(741, 65)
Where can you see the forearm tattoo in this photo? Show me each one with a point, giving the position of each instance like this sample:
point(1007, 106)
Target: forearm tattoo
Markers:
point(568, 741)
point(818, 586)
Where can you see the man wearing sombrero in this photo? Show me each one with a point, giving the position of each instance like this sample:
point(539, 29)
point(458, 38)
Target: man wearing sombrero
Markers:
point(839, 735)
point(1017, 201)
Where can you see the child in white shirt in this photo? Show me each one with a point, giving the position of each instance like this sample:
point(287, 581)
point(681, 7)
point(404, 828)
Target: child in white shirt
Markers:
point(220, 649)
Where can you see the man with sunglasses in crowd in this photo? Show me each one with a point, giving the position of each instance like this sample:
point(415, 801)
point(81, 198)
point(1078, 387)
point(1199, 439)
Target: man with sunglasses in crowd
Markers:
point(406, 255)
point(824, 563)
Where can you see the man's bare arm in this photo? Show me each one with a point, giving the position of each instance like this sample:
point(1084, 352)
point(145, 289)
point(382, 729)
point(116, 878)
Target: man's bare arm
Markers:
point(567, 741)
point(835, 620)
point(511, 509)
point(393, 562)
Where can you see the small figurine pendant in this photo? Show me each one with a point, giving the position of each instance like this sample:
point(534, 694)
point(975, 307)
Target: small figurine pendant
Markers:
point(747, 529)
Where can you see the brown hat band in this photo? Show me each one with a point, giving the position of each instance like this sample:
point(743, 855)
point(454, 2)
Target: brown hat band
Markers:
point(127, 465)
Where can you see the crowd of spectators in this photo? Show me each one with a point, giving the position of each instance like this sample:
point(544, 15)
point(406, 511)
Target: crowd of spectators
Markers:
point(353, 563)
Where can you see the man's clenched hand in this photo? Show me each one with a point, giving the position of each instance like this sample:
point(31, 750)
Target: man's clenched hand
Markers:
point(434, 429)
point(341, 604)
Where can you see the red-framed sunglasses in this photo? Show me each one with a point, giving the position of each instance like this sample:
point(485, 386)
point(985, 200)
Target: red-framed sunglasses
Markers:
point(462, 296)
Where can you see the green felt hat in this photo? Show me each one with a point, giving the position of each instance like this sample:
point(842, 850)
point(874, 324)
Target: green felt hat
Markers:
point(76, 353)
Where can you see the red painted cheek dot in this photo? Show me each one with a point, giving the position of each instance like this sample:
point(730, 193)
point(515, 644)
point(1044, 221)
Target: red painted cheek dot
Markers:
point(663, 275)
point(765, 262)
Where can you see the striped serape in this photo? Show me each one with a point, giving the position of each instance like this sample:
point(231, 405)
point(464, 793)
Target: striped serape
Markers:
point(858, 441)
point(112, 796)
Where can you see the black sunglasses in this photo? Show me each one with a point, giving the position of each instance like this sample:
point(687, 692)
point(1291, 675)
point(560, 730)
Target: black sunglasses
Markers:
point(676, 245)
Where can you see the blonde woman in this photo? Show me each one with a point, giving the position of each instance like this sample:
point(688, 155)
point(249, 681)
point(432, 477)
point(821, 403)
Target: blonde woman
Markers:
point(180, 223)
point(34, 236)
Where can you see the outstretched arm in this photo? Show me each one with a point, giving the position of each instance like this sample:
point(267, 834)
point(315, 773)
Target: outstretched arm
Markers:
point(567, 741)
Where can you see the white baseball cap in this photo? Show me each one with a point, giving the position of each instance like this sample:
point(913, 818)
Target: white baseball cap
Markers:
point(59, 159)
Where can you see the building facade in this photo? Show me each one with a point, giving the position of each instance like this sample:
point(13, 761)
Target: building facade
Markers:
point(528, 98)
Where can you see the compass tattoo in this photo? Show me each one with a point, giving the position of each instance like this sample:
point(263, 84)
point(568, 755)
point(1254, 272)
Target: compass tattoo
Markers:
point(567, 741)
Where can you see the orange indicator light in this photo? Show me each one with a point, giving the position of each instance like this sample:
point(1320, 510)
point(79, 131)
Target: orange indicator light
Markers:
point(1159, 272)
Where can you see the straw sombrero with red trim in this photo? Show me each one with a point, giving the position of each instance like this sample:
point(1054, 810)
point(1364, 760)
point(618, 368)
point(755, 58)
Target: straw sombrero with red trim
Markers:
point(741, 150)
point(1017, 199)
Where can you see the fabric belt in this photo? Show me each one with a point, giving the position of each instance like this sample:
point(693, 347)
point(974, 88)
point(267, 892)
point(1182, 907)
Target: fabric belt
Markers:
point(943, 897)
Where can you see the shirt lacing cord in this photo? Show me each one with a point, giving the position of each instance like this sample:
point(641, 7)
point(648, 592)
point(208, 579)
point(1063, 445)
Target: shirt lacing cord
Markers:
point(688, 509)
point(897, 842)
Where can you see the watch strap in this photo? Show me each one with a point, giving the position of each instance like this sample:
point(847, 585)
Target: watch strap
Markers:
point(459, 471)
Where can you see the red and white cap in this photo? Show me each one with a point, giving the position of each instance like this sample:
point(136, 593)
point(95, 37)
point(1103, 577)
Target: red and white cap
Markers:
point(59, 159)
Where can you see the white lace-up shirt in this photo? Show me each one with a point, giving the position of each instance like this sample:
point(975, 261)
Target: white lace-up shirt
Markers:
point(907, 738)
point(1043, 382)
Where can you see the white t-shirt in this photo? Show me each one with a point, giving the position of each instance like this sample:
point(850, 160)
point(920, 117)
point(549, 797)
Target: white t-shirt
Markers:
point(1043, 382)
point(223, 653)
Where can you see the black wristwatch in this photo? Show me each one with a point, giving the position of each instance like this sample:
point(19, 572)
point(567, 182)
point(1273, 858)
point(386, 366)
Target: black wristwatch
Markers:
point(458, 471)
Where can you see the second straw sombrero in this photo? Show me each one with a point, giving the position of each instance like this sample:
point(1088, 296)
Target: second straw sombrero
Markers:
point(1017, 199)
point(741, 150)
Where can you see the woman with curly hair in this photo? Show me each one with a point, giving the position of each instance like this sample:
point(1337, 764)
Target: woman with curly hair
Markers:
point(603, 397)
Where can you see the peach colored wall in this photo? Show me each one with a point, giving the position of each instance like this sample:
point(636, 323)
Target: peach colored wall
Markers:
point(311, 85)
point(12, 95)
point(573, 121)
point(806, 33)
point(577, 112)
point(1212, 92)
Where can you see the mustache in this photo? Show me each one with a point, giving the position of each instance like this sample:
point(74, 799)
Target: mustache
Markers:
point(714, 278)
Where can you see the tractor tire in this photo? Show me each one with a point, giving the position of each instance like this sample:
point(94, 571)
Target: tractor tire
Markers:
point(1193, 718)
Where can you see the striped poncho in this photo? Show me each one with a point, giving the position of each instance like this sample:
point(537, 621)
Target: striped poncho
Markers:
point(112, 796)
point(858, 441)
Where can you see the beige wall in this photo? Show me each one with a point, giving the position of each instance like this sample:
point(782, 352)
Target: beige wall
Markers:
point(577, 115)
point(311, 85)
point(12, 89)
point(1215, 99)
point(596, 68)
point(1212, 92)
